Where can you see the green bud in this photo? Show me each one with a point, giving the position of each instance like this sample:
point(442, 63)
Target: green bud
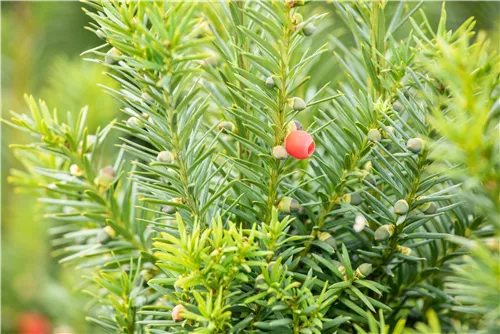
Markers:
point(226, 127)
point(171, 209)
point(401, 207)
point(288, 205)
point(146, 97)
point(177, 313)
point(371, 179)
point(293, 126)
point(111, 56)
point(342, 269)
point(271, 81)
point(270, 267)
point(297, 104)
point(364, 270)
point(374, 135)
point(260, 282)
point(384, 232)
point(432, 209)
point(307, 29)
point(91, 139)
point(105, 235)
point(327, 237)
point(415, 145)
point(388, 130)
point(297, 18)
point(353, 198)
point(403, 250)
point(397, 106)
point(295, 3)
point(359, 223)
point(209, 61)
point(105, 177)
point(75, 170)
point(134, 121)
point(279, 152)
point(368, 166)
point(165, 156)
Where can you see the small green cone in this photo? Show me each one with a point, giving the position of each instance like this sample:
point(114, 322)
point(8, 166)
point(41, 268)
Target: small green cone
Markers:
point(260, 283)
point(364, 270)
point(415, 145)
point(288, 205)
point(374, 135)
point(307, 29)
point(327, 237)
point(432, 209)
point(297, 18)
point(401, 207)
point(384, 232)
point(226, 127)
point(293, 126)
point(270, 82)
point(105, 235)
point(403, 250)
point(398, 106)
point(177, 313)
point(146, 97)
point(354, 198)
point(280, 153)
point(165, 156)
point(297, 104)
point(111, 55)
point(105, 177)
point(134, 121)
point(359, 223)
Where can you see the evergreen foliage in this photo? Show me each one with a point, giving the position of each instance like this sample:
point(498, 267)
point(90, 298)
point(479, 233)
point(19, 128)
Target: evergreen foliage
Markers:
point(199, 223)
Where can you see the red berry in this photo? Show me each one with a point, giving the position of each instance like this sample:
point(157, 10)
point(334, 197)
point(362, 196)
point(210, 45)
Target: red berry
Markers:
point(33, 323)
point(300, 145)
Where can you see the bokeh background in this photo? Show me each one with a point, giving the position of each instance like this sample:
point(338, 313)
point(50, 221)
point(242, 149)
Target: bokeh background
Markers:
point(41, 43)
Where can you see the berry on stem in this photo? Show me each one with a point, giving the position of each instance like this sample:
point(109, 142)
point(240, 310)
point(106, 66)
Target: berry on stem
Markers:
point(300, 145)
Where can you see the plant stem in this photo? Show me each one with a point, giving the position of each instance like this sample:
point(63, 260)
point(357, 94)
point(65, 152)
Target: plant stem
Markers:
point(279, 134)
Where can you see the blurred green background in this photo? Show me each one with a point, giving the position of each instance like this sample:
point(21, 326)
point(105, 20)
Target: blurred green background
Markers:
point(41, 46)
